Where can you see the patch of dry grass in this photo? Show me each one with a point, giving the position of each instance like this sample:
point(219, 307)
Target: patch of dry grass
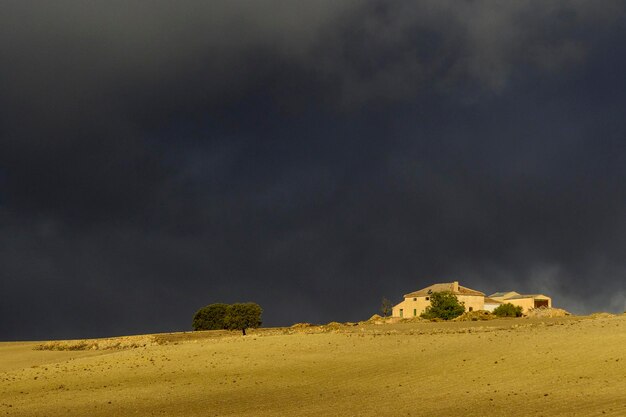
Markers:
point(554, 366)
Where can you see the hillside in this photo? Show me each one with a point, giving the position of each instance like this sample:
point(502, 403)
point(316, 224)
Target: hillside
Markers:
point(537, 367)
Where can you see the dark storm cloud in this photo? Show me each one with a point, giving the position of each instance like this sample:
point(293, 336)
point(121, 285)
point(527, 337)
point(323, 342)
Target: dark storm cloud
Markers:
point(155, 157)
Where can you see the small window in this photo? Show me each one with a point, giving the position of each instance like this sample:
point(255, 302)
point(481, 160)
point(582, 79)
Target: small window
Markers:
point(401, 312)
point(471, 309)
point(414, 312)
point(415, 299)
point(427, 298)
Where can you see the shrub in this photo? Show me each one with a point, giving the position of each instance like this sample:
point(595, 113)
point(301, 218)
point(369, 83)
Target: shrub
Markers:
point(210, 317)
point(443, 305)
point(508, 310)
point(242, 316)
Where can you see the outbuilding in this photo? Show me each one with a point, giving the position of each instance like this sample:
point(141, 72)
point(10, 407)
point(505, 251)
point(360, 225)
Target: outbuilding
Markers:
point(526, 301)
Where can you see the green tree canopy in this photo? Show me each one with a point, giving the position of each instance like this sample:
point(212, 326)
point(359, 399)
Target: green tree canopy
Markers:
point(242, 316)
point(508, 310)
point(210, 317)
point(443, 305)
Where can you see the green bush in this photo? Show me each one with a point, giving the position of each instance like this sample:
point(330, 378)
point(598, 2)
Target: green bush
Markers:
point(240, 316)
point(243, 316)
point(443, 305)
point(508, 310)
point(210, 317)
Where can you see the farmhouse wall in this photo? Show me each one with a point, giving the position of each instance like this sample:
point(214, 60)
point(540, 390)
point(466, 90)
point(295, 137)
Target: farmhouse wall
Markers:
point(528, 303)
point(414, 306)
point(472, 301)
point(411, 307)
point(491, 306)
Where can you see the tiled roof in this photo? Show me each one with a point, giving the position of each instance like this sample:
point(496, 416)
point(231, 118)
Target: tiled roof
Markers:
point(446, 286)
point(499, 294)
point(520, 296)
point(512, 295)
point(505, 295)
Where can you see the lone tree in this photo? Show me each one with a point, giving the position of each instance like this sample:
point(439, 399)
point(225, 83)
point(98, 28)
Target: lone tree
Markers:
point(386, 306)
point(210, 317)
point(443, 305)
point(508, 310)
point(242, 316)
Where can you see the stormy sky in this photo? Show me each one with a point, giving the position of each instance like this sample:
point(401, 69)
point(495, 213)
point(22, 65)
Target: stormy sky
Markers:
point(158, 156)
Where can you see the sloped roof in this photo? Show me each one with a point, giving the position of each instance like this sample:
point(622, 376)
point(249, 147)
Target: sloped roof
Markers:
point(520, 296)
point(492, 301)
point(504, 294)
point(446, 286)
point(499, 294)
point(512, 295)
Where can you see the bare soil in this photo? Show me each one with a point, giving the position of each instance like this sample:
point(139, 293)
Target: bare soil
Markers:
point(562, 366)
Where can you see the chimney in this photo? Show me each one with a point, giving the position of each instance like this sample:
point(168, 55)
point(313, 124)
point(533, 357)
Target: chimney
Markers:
point(455, 286)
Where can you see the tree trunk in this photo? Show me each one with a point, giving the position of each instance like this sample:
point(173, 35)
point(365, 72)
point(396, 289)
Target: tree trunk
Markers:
point(244, 331)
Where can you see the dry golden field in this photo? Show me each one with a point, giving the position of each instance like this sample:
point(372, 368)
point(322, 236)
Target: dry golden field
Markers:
point(534, 367)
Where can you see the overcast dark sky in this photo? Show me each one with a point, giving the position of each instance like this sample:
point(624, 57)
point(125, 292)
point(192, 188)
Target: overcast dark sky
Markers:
point(158, 156)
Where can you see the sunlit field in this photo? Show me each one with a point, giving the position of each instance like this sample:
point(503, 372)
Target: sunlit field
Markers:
point(534, 367)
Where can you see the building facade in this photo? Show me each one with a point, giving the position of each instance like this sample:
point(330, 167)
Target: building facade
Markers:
point(526, 301)
point(491, 304)
point(416, 302)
